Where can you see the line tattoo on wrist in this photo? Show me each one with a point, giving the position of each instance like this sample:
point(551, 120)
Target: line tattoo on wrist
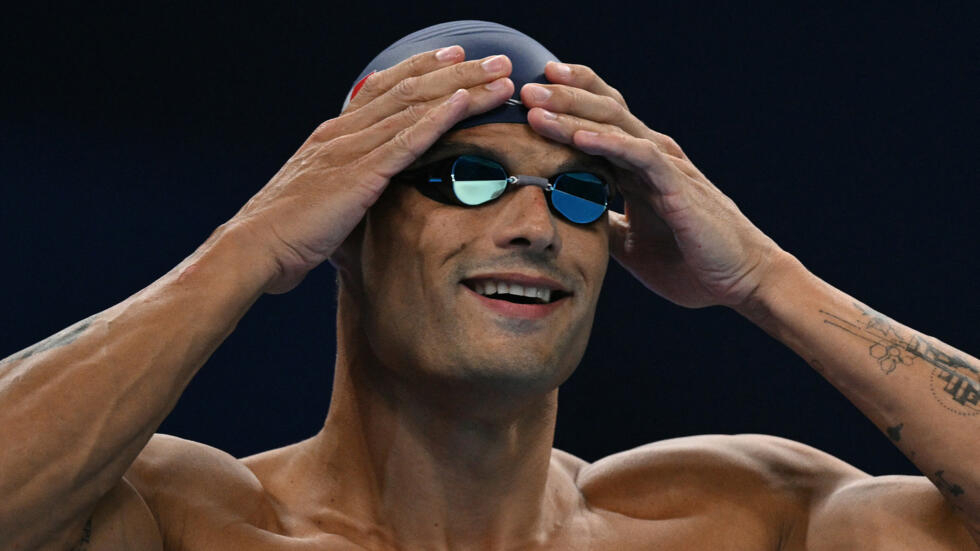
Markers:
point(954, 382)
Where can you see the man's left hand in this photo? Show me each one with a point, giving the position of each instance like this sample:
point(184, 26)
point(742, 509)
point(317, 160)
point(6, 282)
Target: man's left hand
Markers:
point(680, 235)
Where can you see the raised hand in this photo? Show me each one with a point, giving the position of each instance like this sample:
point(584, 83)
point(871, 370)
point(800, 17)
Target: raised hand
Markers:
point(680, 235)
point(320, 195)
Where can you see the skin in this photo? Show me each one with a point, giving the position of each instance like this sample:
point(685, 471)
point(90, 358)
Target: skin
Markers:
point(443, 411)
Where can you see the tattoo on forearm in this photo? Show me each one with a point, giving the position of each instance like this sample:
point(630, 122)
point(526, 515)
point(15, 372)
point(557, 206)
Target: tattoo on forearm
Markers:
point(62, 338)
point(895, 433)
point(82, 544)
point(952, 489)
point(954, 382)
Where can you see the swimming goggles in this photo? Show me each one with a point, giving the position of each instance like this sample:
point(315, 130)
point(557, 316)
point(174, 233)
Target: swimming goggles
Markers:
point(470, 180)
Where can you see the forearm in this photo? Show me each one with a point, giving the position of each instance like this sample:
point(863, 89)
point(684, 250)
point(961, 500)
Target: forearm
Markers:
point(77, 408)
point(923, 394)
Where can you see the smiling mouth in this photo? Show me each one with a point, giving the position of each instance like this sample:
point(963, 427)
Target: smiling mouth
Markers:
point(514, 292)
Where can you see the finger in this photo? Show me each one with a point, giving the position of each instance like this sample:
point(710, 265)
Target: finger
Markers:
point(408, 144)
point(588, 105)
point(482, 98)
point(430, 86)
point(582, 77)
point(565, 126)
point(561, 127)
point(618, 234)
point(584, 104)
point(380, 82)
point(634, 154)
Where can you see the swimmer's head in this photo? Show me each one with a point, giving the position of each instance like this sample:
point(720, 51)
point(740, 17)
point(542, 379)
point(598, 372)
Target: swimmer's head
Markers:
point(410, 274)
point(478, 39)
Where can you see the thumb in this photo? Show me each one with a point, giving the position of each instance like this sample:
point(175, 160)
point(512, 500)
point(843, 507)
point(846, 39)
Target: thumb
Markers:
point(619, 228)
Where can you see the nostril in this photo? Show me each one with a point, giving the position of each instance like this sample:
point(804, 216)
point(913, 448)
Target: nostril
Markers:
point(521, 241)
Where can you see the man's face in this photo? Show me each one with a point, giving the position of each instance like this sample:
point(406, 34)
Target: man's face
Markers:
point(423, 264)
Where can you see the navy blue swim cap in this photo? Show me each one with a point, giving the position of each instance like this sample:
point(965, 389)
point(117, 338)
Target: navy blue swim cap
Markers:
point(478, 39)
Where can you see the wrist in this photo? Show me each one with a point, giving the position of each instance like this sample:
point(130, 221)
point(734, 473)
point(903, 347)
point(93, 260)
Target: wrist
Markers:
point(233, 257)
point(785, 282)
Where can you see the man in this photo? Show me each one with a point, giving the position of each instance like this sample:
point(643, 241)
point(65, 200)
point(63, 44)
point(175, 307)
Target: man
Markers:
point(442, 417)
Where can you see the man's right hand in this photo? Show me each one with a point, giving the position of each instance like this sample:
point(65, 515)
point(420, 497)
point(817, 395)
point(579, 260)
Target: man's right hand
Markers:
point(320, 195)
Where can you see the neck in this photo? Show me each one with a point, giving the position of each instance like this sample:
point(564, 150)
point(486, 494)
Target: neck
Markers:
point(421, 468)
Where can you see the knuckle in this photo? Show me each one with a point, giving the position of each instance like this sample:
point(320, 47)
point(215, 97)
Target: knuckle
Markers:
point(611, 105)
point(671, 145)
point(372, 85)
point(414, 112)
point(324, 130)
point(417, 62)
point(406, 88)
point(584, 73)
point(567, 98)
point(403, 139)
point(460, 71)
point(618, 97)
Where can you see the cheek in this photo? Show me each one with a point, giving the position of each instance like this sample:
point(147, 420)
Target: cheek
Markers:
point(590, 247)
point(407, 286)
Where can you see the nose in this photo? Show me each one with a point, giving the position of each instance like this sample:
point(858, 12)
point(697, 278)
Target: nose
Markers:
point(524, 221)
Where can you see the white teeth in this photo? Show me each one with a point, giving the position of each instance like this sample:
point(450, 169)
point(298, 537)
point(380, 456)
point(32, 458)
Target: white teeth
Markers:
point(489, 287)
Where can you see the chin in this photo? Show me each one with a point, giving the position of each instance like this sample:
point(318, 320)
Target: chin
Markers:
point(513, 372)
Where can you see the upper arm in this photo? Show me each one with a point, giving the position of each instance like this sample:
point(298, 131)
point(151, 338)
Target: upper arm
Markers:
point(175, 489)
point(809, 499)
point(884, 512)
point(121, 521)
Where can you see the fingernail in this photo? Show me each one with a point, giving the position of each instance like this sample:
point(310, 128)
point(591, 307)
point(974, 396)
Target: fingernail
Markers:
point(563, 70)
point(588, 133)
point(496, 85)
point(539, 93)
point(493, 64)
point(549, 115)
point(449, 52)
point(458, 95)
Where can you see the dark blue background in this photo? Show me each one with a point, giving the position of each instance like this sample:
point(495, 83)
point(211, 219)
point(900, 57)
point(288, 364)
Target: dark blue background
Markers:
point(128, 134)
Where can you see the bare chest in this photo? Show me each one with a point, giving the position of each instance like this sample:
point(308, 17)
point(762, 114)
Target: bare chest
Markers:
point(592, 531)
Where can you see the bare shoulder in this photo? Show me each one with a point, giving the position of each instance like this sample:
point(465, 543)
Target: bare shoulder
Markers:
point(888, 512)
point(190, 486)
point(811, 499)
point(751, 468)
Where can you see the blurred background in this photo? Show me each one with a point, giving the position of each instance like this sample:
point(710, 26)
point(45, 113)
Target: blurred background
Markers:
point(127, 134)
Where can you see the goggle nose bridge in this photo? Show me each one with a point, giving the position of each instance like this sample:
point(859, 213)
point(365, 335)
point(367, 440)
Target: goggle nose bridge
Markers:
point(525, 180)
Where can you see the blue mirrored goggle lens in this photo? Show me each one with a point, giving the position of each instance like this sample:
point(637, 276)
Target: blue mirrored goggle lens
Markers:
point(477, 180)
point(579, 196)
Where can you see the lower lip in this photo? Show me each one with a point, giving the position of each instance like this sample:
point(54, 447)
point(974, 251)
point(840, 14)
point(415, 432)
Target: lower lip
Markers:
point(517, 310)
